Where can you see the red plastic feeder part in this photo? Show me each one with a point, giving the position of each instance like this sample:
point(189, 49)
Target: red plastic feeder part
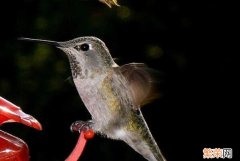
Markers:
point(12, 113)
point(80, 145)
point(12, 148)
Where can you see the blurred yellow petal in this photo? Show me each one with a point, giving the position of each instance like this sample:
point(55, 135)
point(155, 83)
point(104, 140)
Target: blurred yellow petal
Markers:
point(110, 2)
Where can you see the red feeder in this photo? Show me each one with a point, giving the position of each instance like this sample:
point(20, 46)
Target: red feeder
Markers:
point(11, 147)
point(81, 143)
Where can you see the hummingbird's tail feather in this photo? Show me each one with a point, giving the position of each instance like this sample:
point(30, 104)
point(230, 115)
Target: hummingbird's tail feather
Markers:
point(149, 152)
point(143, 142)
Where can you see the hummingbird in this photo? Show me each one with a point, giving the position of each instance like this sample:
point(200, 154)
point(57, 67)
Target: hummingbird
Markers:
point(112, 94)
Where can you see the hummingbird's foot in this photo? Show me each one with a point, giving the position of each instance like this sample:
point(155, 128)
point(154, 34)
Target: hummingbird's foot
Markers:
point(81, 126)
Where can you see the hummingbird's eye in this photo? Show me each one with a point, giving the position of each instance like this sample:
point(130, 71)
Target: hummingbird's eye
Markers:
point(83, 47)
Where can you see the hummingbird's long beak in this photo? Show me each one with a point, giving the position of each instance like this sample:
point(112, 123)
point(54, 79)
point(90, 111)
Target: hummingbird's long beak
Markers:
point(48, 42)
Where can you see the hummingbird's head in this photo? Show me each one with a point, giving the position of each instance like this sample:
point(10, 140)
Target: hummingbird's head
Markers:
point(88, 56)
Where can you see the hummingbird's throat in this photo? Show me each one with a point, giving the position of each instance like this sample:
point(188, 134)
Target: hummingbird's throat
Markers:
point(75, 67)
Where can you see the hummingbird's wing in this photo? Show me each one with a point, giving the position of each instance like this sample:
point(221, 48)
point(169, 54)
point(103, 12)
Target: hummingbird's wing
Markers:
point(140, 81)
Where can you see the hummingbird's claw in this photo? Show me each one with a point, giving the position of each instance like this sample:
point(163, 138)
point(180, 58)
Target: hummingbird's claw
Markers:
point(81, 126)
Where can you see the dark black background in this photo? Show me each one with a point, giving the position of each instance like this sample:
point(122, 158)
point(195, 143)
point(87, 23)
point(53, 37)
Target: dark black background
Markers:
point(192, 43)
